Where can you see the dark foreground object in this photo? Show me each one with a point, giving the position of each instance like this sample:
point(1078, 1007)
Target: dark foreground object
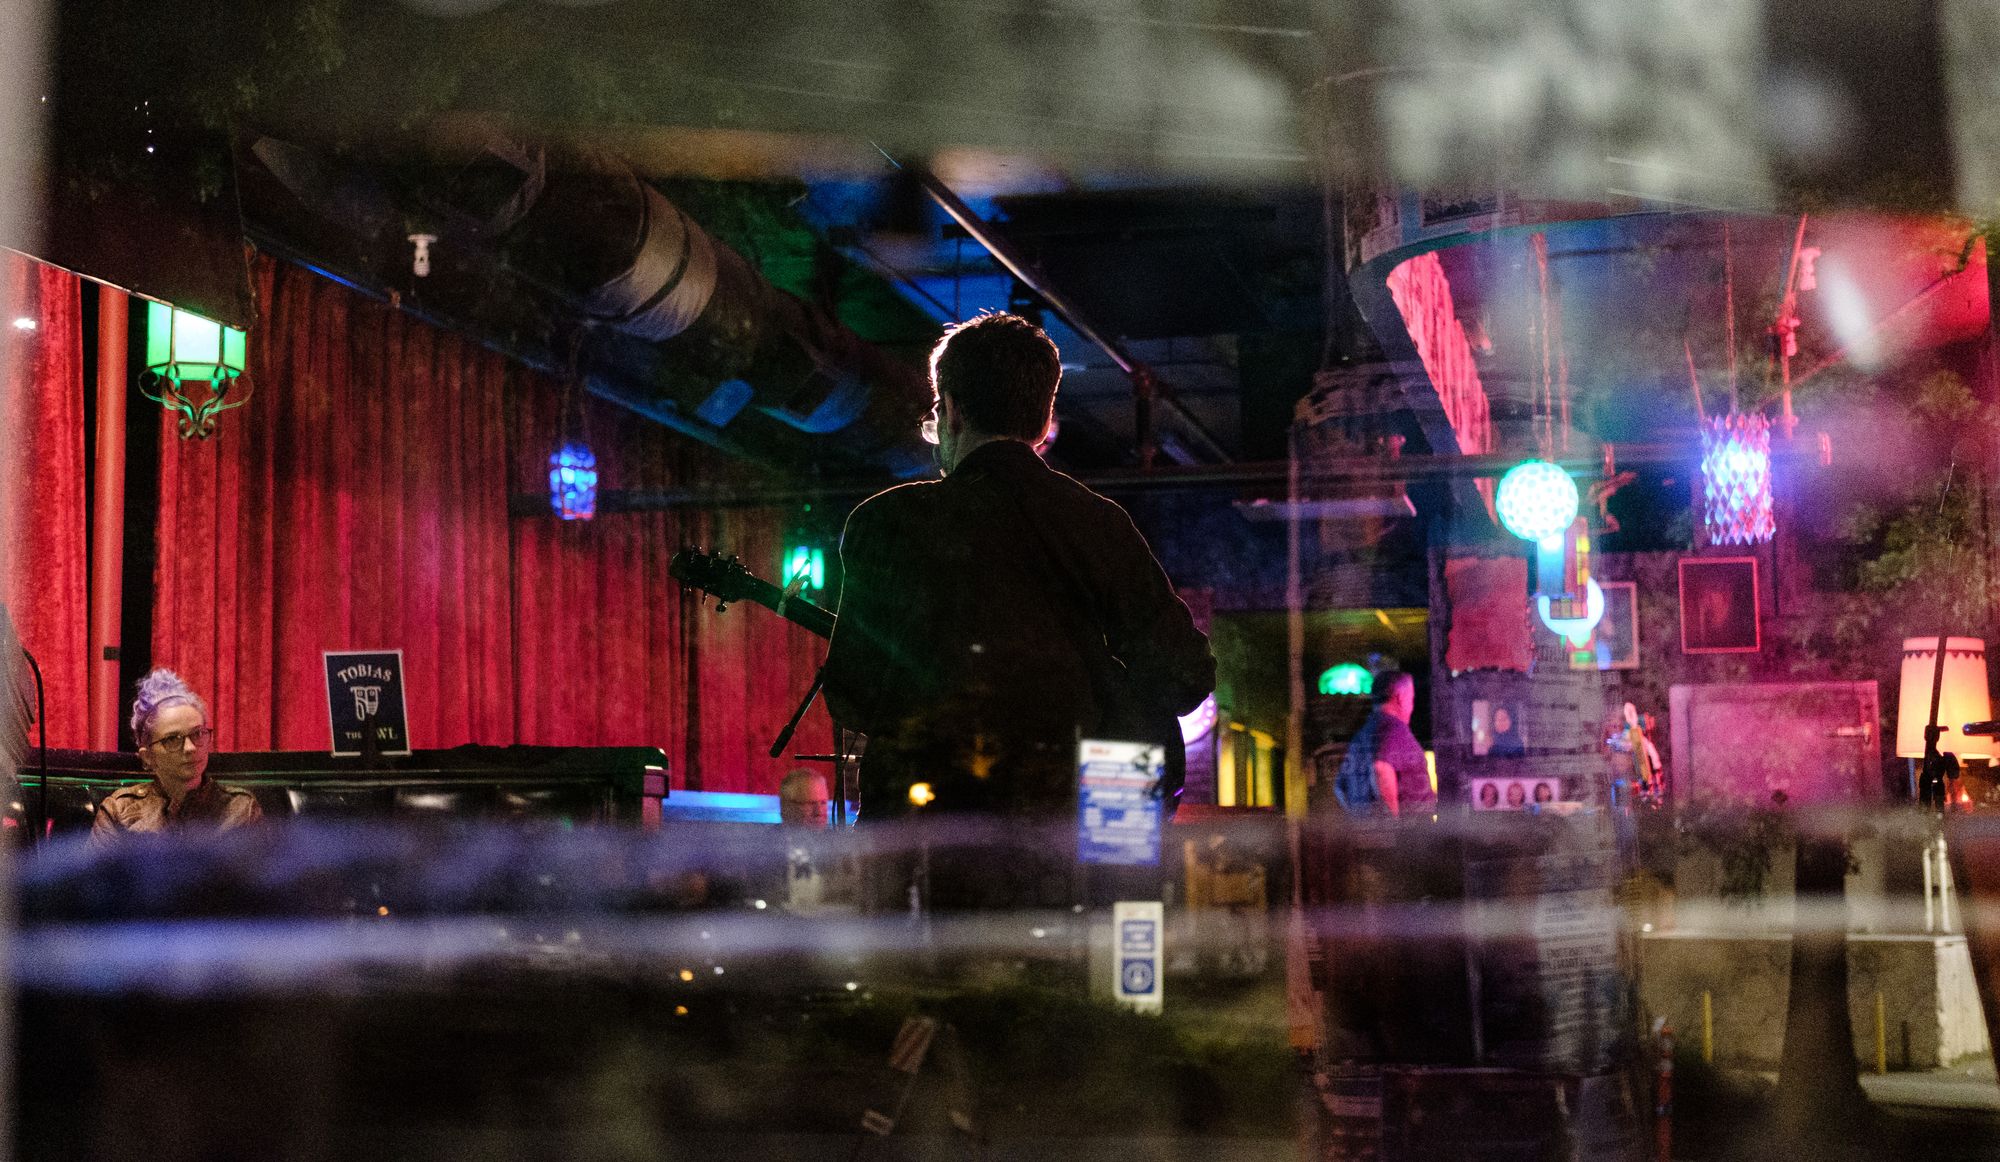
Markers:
point(586, 995)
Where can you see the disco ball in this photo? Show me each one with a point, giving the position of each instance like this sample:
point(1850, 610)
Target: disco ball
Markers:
point(1537, 500)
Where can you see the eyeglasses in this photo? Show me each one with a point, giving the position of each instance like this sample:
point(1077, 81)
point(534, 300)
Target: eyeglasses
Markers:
point(929, 428)
point(179, 742)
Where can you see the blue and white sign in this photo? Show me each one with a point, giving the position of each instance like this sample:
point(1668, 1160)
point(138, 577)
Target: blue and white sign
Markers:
point(1118, 806)
point(1137, 931)
point(364, 697)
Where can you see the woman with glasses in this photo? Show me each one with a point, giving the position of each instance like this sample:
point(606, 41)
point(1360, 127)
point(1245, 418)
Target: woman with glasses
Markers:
point(170, 723)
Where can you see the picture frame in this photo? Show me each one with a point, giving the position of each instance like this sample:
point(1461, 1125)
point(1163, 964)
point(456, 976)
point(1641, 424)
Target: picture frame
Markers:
point(1499, 728)
point(1721, 610)
point(1515, 794)
point(1614, 644)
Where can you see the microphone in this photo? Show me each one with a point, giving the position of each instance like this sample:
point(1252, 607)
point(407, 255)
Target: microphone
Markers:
point(1987, 729)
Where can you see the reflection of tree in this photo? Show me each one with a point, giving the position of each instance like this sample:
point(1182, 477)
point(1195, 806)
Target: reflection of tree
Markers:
point(1909, 557)
point(1819, 1098)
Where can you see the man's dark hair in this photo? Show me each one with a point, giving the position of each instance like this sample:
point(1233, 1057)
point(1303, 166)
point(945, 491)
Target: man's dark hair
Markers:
point(1386, 683)
point(1001, 373)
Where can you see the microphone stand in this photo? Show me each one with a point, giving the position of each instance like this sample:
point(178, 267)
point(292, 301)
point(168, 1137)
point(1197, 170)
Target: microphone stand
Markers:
point(785, 735)
point(1937, 769)
point(41, 725)
point(843, 751)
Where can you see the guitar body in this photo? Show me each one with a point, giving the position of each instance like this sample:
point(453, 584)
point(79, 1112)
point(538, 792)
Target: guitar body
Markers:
point(1124, 716)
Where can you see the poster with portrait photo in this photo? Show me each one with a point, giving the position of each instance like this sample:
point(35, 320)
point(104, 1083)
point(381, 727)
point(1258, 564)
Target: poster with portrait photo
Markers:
point(1498, 728)
point(1516, 794)
point(1614, 644)
point(1719, 609)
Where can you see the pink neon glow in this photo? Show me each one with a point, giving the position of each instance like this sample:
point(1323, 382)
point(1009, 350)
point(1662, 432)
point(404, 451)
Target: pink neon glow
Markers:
point(1423, 298)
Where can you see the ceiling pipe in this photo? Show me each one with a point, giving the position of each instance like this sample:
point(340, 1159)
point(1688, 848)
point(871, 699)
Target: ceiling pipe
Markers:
point(570, 253)
point(1148, 390)
point(1266, 474)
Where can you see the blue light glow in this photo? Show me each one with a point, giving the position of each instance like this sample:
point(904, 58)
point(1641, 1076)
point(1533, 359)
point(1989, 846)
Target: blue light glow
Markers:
point(1536, 501)
point(573, 482)
point(1576, 630)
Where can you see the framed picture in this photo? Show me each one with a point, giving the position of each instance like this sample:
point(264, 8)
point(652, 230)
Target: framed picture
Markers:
point(1719, 613)
point(1614, 645)
point(1515, 794)
point(1498, 728)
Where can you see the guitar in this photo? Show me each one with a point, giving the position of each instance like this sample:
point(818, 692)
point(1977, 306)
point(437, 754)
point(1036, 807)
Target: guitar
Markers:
point(726, 580)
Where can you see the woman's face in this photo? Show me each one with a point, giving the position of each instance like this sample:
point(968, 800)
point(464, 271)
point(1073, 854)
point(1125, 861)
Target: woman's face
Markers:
point(1502, 721)
point(176, 751)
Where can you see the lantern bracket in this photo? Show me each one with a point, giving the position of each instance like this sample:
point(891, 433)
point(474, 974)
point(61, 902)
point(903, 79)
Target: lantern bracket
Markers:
point(196, 417)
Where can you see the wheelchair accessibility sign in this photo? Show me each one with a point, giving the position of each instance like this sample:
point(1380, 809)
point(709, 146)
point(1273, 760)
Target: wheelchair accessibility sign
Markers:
point(1137, 927)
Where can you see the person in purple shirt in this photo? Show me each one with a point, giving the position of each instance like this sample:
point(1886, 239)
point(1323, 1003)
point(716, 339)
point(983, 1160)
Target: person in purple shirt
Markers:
point(1384, 771)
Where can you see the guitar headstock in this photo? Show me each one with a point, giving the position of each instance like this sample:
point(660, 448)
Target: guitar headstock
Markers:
point(723, 578)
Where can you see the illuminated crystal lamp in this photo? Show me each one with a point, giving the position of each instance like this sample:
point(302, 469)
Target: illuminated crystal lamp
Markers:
point(1736, 479)
point(1964, 698)
point(573, 482)
point(1536, 501)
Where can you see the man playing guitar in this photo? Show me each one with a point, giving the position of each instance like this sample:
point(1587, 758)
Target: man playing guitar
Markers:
point(990, 619)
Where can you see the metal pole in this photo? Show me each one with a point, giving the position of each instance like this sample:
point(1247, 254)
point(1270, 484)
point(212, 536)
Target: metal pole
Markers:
point(107, 518)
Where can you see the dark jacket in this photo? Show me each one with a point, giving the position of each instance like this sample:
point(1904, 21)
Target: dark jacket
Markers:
point(980, 617)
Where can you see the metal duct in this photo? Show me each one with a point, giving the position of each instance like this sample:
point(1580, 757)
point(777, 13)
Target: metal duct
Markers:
point(729, 345)
point(677, 325)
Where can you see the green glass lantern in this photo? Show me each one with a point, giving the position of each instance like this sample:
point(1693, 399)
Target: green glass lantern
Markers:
point(184, 348)
point(1346, 678)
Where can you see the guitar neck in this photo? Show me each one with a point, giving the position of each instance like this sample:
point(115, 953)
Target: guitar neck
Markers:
point(800, 612)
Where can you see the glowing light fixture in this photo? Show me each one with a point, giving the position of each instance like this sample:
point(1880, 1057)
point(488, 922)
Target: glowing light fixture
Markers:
point(1536, 500)
point(1963, 700)
point(1196, 723)
point(184, 348)
point(1575, 630)
point(25, 323)
point(807, 562)
point(921, 795)
point(1736, 479)
point(1346, 678)
point(573, 482)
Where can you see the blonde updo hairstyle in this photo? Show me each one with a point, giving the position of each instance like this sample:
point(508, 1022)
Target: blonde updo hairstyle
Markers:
point(157, 691)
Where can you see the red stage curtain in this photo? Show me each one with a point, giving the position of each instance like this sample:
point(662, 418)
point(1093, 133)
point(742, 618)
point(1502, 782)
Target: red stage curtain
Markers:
point(42, 500)
point(360, 501)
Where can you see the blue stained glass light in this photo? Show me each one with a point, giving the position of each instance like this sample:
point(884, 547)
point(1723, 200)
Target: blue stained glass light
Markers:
point(573, 482)
point(1536, 500)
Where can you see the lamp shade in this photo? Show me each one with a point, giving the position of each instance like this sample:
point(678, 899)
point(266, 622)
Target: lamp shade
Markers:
point(1536, 500)
point(1964, 699)
point(183, 346)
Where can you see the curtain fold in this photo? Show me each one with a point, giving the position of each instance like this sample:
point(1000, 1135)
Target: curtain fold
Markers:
point(360, 500)
point(44, 532)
